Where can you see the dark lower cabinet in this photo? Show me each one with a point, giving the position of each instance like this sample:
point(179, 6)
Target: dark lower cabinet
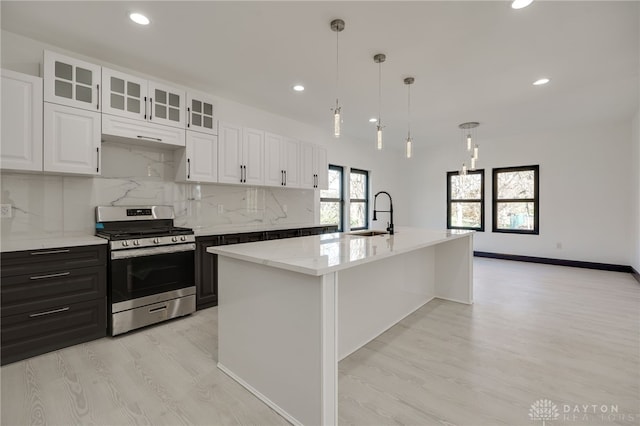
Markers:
point(206, 264)
point(51, 299)
point(206, 273)
point(34, 333)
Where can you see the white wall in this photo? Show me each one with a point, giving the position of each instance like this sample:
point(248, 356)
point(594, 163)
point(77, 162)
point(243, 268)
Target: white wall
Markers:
point(25, 55)
point(585, 183)
point(635, 211)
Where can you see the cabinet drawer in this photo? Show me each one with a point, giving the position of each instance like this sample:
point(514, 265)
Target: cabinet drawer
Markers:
point(52, 260)
point(29, 334)
point(41, 291)
point(247, 237)
point(125, 130)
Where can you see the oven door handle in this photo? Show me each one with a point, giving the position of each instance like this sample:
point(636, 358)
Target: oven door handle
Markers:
point(150, 251)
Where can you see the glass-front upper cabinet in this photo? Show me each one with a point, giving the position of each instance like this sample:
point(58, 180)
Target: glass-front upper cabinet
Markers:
point(124, 95)
point(133, 97)
point(71, 82)
point(200, 117)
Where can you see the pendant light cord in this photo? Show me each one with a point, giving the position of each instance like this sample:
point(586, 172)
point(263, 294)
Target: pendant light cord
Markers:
point(379, 93)
point(409, 108)
point(337, 66)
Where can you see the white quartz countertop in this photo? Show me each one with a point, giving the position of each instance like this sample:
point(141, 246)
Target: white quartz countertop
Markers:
point(49, 241)
point(322, 254)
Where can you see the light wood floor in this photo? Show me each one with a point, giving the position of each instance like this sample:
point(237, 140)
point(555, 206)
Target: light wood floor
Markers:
point(535, 332)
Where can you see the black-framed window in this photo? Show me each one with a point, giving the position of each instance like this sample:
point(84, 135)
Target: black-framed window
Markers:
point(516, 200)
point(465, 200)
point(332, 199)
point(359, 199)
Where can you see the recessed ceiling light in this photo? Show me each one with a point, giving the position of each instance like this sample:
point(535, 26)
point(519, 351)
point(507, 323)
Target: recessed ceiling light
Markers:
point(520, 4)
point(373, 120)
point(298, 88)
point(139, 18)
point(541, 81)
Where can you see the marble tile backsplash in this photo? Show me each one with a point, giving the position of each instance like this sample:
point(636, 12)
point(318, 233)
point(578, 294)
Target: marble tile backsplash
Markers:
point(134, 175)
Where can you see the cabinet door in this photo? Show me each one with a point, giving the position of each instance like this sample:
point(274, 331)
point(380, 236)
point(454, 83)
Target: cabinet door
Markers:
point(230, 154)
point(71, 140)
point(200, 116)
point(166, 105)
point(273, 167)
point(202, 157)
point(321, 167)
point(307, 167)
point(21, 144)
point(124, 95)
point(291, 160)
point(206, 274)
point(71, 82)
point(253, 156)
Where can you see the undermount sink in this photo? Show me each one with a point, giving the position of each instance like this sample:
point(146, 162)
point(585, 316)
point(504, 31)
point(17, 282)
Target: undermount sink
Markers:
point(368, 233)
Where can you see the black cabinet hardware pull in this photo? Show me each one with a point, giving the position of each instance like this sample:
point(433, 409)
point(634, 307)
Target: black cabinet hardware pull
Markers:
point(55, 311)
point(188, 168)
point(38, 253)
point(150, 108)
point(98, 159)
point(145, 107)
point(285, 178)
point(149, 137)
point(41, 277)
point(188, 117)
point(98, 97)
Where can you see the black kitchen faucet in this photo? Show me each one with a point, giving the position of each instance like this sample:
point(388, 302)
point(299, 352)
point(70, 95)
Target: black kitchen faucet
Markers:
point(390, 211)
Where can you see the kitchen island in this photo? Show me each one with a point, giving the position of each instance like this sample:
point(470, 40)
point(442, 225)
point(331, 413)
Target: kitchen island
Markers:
point(290, 310)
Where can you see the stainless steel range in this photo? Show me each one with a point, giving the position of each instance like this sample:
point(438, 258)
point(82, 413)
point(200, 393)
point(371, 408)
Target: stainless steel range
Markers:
point(151, 265)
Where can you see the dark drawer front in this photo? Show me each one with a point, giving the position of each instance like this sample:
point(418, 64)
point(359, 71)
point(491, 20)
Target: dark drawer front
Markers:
point(33, 261)
point(282, 234)
point(248, 237)
point(42, 290)
point(29, 334)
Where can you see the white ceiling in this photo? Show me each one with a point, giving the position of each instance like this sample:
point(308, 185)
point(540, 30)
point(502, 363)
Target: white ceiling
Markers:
point(472, 61)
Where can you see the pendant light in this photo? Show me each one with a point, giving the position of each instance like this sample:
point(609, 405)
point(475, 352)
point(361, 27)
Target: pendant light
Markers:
point(468, 130)
point(337, 25)
point(409, 143)
point(379, 59)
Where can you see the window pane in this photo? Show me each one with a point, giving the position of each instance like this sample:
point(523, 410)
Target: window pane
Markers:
point(516, 216)
point(466, 187)
point(329, 213)
point(358, 215)
point(335, 180)
point(466, 215)
point(518, 184)
point(358, 186)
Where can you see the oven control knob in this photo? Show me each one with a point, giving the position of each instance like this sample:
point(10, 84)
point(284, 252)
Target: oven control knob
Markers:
point(183, 238)
point(136, 243)
point(156, 240)
point(174, 239)
point(125, 243)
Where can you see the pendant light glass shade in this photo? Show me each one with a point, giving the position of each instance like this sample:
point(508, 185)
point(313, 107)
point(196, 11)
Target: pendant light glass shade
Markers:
point(475, 152)
point(463, 171)
point(409, 143)
point(469, 142)
point(337, 25)
point(409, 150)
point(379, 59)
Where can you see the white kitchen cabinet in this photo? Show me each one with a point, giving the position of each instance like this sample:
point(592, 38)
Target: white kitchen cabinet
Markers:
point(240, 155)
point(71, 82)
point(198, 162)
point(136, 98)
point(71, 140)
point(21, 144)
point(282, 161)
point(200, 117)
point(314, 168)
point(122, 129)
